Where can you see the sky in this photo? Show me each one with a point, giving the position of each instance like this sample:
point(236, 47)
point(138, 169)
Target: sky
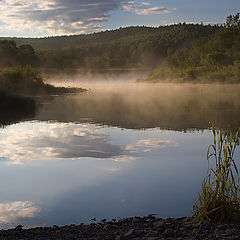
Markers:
point(36, 18)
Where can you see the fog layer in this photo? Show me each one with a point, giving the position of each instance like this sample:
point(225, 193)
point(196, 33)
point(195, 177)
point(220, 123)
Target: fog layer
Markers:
point(126, 104)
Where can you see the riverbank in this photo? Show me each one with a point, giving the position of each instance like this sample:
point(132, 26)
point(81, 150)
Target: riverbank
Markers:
point(149, 228)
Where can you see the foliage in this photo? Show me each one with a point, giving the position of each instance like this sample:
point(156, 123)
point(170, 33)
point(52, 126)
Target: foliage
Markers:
point(122, 48)
point(219, 198)
point(179, 52)
point(20, 80)
point(125, 48)
point(210, 59)
point(27, 81)
point(11, 55)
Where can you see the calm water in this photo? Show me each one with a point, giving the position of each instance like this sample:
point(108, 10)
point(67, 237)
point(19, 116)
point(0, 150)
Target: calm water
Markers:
point(119, 150)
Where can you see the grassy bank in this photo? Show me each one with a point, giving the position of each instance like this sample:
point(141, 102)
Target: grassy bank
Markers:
point(198, 74)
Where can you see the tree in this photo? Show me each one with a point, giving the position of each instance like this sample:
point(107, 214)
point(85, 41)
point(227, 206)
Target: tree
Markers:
point(26, 55)
point(8, 51)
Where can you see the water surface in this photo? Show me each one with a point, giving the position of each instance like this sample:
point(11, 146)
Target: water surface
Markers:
point(119, 150)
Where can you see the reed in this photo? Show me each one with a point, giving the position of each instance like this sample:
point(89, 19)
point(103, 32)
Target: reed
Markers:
point(218, 199)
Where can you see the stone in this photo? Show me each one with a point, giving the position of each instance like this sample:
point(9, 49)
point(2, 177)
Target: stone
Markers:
point(168, 232)
point(158, 224)
point(129, 233)
point(118, 237)
point(135, 228)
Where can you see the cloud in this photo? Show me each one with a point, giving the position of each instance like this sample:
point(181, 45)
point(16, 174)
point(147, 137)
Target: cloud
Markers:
point(145, 8)
point(11, 212)
point(153, 11)
point(57, 16)
point(41, 141)
point(126, 158)
point(146, 4)
point(147, 145)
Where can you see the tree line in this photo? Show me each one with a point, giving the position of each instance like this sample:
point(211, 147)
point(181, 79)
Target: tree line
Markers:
point(215, 58)
point(123, 48)
point(180, 52)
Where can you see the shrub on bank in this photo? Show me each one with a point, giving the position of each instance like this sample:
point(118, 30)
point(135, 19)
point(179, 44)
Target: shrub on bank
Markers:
point(27, 81)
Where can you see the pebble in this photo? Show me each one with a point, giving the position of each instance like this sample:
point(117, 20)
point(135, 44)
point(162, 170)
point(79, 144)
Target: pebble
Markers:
point(158, 224)
point(129, 233)
point(136, 228)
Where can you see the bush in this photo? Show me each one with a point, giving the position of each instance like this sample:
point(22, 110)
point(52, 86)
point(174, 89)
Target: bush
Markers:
point(23, 80)
point(27, 81)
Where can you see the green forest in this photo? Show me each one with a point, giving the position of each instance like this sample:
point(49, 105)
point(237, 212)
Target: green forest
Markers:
point(215, 58)
point(129, 47)
point(180, 52)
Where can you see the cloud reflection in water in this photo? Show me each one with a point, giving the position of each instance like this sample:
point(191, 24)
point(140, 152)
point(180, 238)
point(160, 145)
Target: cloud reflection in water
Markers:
point(47, 141)
point(147, 145)
point(56, 141)
point(11, 212)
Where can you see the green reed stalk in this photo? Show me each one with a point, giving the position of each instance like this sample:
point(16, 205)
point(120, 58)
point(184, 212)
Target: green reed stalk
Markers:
point(219, 197)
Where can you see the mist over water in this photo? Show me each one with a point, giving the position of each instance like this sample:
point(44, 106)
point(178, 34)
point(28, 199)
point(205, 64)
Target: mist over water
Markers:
point(126, 104)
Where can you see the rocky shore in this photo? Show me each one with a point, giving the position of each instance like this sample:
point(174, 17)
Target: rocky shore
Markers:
point(149, 228)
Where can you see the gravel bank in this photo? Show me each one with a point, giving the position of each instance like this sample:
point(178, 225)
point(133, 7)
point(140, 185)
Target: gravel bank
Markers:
point(149, 228)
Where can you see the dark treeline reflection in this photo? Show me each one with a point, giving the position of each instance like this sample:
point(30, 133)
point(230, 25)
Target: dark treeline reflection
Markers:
point(137, 106)
point(14, 108)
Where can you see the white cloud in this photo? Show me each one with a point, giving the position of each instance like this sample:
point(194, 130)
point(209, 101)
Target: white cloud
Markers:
point(147, 11)
point(145, 8)
point(56, 16)
point(146, 4)
point(153, 11)
point(11, 212)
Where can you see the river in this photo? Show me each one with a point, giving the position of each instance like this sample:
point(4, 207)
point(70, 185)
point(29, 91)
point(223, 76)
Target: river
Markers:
point(121, 149)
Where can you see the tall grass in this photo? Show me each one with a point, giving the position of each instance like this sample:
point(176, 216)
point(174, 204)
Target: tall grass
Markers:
point(218, 199)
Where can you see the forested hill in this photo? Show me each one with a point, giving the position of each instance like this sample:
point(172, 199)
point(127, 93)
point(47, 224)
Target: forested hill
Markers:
point(131, 47)
point(180, 52)
point(59, 42)
point(139, 33)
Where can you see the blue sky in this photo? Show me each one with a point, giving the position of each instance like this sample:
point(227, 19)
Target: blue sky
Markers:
point(61, 17)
